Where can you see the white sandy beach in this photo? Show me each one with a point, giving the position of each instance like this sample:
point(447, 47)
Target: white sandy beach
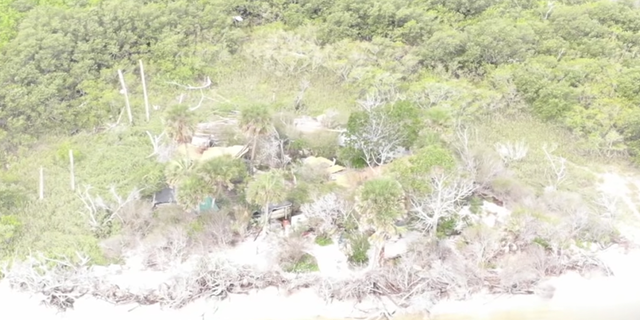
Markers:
point(575, 298)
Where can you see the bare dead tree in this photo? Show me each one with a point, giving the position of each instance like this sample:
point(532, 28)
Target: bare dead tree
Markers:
point(448, 191)
point(371, 102)
point(155, 142)
point(101, 213)
point(304, 85)
point(558, 174)
point(463, 146)
point(609, 203)
point(378, 137)
point(205, 85)
point(435, 94)
point(326, 212)
point(512, 151)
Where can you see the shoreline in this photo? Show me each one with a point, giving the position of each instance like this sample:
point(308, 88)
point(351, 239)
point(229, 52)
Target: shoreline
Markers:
point(573, 296)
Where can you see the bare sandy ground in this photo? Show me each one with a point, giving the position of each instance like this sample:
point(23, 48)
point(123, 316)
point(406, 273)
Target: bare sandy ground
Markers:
point(575, 298)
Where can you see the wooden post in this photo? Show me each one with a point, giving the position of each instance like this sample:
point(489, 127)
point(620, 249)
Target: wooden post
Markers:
point(72, 170)
point(144, 90)
point(41, 183)
point(126, 96)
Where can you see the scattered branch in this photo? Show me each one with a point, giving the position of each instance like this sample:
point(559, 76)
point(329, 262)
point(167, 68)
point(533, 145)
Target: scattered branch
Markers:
point(511, 152)
point(100, 213)
point(205, 84)
point(558, 167)
point(155, 142)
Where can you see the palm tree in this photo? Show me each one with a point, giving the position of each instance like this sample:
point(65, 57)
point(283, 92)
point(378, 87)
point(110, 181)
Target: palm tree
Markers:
point(255, 121)
point(177, 172)
point(380, 202)
point(265, 189)
point(180, 123)
point(222, 173)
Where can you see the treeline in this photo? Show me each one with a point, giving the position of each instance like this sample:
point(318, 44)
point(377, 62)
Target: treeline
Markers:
point(572, 62)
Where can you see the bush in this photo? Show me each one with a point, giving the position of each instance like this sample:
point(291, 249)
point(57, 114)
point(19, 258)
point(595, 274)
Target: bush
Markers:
point(359, 245)
point(380, 203)
point(213, 228)
point(412, 172)
point(318, 144)
point(292, 255)
point(10, 227)
point(323, 240)
point(62, 153)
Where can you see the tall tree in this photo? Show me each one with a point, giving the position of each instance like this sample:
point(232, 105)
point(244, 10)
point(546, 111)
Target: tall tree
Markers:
point(222, 173)
point(180, 123)
point(380, 202)
point(255, 121)
point(264, 189)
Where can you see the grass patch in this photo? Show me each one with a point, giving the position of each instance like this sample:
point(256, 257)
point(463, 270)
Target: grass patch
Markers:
point(306, 263)
point(247, 83)
point(323, 240)
point(534, 169)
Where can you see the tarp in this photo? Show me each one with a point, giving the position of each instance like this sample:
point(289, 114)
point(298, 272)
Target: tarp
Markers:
point(209, 204)
point(166, 195)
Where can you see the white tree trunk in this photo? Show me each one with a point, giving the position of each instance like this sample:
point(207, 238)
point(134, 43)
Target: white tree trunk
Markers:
point(126, 96)
point(144, 91)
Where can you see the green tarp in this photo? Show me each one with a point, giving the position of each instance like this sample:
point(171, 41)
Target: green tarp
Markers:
point(209, 204)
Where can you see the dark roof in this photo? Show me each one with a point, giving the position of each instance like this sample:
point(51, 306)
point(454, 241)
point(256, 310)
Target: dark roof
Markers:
point(280, 205)
point(166, 195)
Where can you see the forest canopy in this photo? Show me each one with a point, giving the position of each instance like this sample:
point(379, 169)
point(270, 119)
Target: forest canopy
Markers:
point(571, 62)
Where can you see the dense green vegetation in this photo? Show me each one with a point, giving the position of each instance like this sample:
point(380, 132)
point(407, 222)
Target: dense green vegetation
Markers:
point(396, 75)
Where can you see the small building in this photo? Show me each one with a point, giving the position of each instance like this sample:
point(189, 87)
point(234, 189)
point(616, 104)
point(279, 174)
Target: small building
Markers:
point(164, 196)
point(278, 211)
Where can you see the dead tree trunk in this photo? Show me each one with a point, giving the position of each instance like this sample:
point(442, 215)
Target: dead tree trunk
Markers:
point(144, 91)
point(126, 96)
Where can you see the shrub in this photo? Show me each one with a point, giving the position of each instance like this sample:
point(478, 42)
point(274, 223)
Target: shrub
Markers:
point(323, 240)
point(318, 144)
point(380, 203)
point(359, 244)
point(413, 171)
point(213, 227)
point(306, 263)
point(62, 153)
point(292, 255)
point(10, 227)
